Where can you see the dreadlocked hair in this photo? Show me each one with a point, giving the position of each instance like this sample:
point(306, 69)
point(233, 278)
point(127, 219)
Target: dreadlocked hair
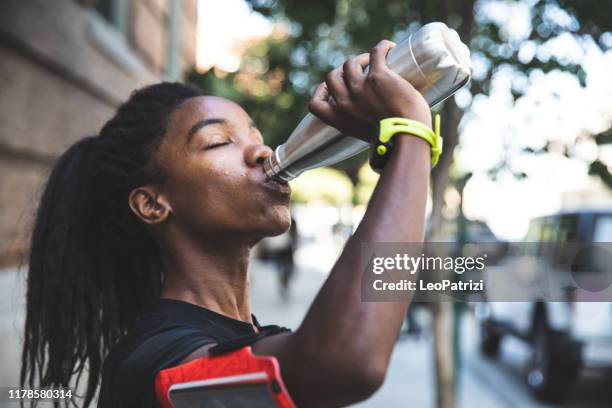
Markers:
point(93, 268)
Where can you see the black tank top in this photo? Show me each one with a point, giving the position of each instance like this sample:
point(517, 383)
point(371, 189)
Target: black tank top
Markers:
point(161, 339)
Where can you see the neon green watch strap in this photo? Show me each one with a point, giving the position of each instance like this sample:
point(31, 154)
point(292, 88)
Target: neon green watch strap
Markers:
point(391, 126)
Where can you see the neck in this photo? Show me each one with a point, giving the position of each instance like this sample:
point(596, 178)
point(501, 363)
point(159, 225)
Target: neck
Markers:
point(211, 274)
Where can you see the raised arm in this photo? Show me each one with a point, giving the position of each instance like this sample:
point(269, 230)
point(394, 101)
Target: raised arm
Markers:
point(340, 353)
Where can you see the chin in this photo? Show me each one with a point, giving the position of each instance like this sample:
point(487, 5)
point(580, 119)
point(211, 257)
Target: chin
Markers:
point(278, 221)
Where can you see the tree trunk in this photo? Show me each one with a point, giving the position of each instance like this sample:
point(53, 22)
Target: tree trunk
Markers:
point(444, 357)
point(443, 323)
point(451, 116)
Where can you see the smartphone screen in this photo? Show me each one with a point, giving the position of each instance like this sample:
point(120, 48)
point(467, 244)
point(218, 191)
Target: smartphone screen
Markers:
point(229, 392)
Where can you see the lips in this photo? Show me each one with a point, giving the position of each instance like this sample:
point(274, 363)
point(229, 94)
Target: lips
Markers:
point(278, 187)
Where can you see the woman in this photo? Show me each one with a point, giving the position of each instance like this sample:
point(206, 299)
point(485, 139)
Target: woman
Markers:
point(146, 229)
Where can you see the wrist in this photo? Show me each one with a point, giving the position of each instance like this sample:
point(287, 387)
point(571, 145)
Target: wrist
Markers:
point(407, 141)
point(422, 117)
point(406, 144)
point(410, 151)
point(405, 134)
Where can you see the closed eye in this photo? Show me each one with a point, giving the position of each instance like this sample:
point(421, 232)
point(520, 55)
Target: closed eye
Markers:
point(212, 146)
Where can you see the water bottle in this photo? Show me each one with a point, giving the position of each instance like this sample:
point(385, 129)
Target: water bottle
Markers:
point(433, 60)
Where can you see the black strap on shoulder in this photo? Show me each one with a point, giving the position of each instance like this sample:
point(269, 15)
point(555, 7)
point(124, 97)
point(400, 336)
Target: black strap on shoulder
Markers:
point(246, 340)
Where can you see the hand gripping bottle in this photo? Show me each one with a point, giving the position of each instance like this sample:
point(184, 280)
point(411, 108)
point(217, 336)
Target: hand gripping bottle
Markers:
point(433, 60)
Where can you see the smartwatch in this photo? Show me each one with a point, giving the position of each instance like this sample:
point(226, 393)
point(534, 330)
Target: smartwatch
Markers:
point(381, 149)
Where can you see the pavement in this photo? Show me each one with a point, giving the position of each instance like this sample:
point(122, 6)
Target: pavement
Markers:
point(483, 383)
point(12, 313)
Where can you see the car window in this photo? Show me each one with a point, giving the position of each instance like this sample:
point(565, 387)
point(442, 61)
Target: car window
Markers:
point(548, 229)
point(567, 230)
point(603, 228)
point(533, 233)
point(595, 258)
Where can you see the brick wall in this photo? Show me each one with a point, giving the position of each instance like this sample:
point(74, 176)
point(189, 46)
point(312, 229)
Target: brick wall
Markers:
point(61, 81)
point(149, 34)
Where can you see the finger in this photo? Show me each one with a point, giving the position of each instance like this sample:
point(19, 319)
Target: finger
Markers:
point(336, 86)
point(361, 60)
point(321, 92)
point(341, 99)
point(320, 106)
point(353, 71)
point(326, 109)
point(378, 55)
point(355, 79)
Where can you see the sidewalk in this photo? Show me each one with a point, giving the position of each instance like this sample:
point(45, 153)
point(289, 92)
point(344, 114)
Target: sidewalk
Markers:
point(12, 315)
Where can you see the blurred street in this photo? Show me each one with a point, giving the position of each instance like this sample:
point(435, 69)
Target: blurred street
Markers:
point(410, 380)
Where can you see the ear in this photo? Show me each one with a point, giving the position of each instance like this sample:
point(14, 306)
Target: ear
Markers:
point(148, 205)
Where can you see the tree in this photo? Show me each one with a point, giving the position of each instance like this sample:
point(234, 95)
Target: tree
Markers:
point(278, 76)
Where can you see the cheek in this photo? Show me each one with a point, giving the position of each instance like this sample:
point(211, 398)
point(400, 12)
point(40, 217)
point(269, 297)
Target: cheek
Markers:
point(216, 204)
point(215, 198)
point(208, 197)
point(221, 197)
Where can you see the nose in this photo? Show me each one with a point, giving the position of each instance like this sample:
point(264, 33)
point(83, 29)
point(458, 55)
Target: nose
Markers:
point(256, 155)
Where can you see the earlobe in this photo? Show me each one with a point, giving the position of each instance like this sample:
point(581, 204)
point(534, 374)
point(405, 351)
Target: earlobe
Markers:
point(148, 206)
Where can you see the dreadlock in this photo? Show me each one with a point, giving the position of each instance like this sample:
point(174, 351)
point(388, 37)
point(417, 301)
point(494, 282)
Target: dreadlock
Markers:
point(93, 268)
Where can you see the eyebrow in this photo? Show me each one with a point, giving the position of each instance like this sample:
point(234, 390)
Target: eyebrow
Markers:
point(200, 124)
point(212, 121)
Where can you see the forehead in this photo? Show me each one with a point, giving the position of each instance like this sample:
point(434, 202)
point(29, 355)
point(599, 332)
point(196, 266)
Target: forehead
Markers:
point(206, 107)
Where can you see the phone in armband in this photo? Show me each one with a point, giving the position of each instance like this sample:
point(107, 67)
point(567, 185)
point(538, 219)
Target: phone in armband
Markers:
point(238, 379)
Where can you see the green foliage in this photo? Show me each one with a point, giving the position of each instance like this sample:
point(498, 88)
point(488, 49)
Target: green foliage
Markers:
point(599, 169)
point(595, 16)
point(604, 137)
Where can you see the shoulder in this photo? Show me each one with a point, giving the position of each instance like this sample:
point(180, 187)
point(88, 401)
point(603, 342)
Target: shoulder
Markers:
point(170, 333)
point(163, 336)
point(158, 341)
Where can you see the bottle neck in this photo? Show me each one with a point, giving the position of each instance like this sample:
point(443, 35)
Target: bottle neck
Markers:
point(273, 169)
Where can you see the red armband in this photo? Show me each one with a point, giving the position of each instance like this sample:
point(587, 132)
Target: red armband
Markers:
point(235, 379)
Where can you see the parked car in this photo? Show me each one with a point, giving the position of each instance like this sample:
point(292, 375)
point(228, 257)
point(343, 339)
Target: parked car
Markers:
point(565, 335)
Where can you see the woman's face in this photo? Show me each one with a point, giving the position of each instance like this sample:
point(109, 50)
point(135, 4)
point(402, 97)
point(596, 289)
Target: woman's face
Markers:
point(212, 156)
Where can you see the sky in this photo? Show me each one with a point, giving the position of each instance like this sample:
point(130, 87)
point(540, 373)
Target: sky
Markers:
point(554, 107)
point(223, 26)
